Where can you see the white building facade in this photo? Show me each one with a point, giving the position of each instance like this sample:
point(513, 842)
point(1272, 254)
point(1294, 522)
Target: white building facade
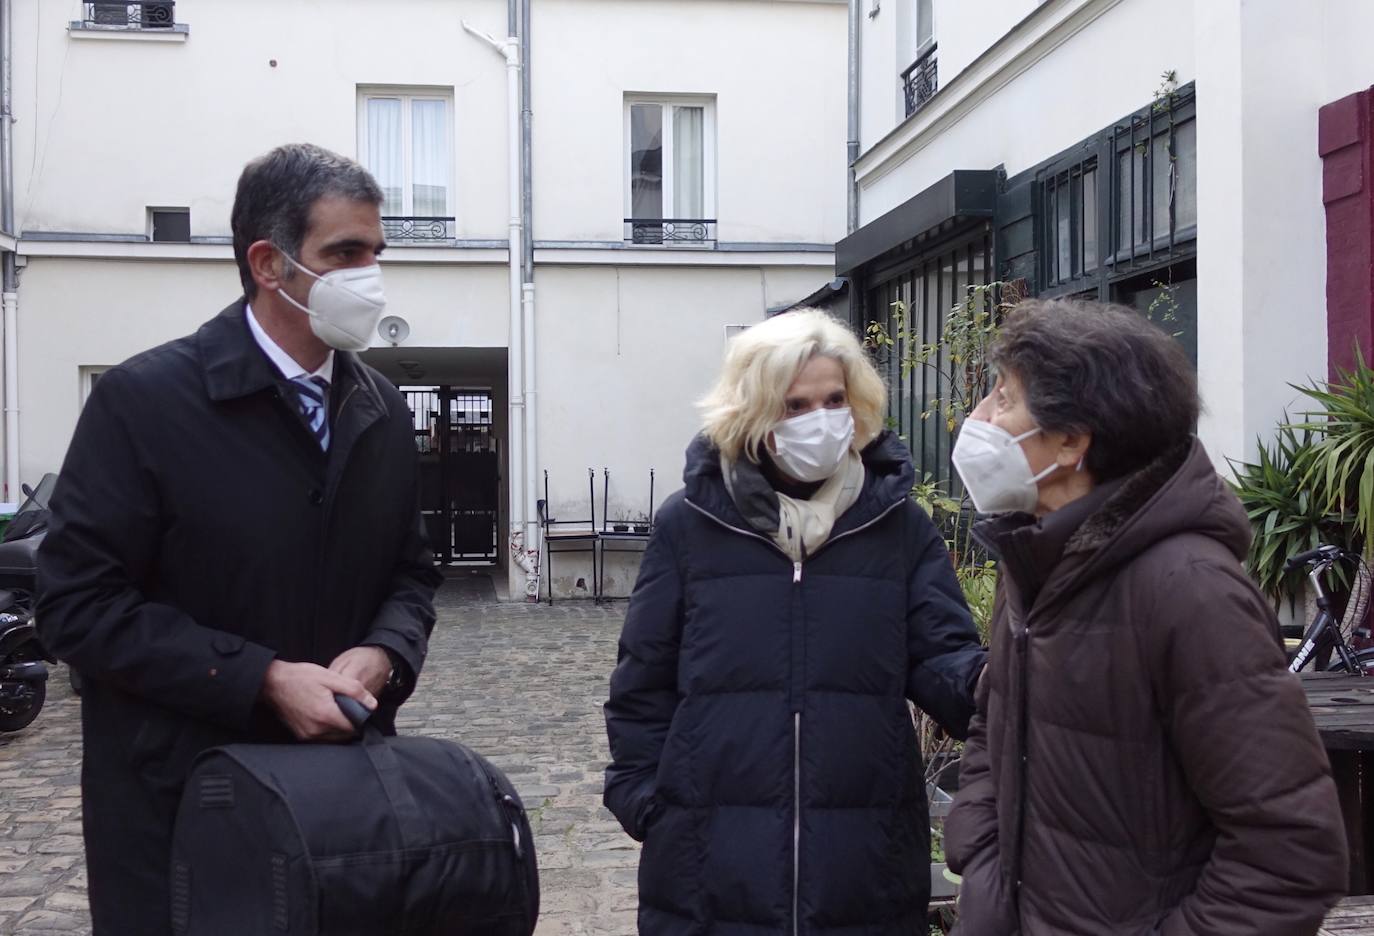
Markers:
point(1163, 154)
point(686, 176)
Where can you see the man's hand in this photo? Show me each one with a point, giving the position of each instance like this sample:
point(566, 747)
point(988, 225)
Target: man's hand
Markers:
point(302, 695)
point(368, 665)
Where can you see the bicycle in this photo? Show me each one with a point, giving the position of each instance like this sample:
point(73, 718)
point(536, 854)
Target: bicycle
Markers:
point(1325, 628)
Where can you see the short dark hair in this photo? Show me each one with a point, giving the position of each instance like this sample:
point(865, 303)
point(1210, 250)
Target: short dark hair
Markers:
point(1105, 370)
point(277, 191)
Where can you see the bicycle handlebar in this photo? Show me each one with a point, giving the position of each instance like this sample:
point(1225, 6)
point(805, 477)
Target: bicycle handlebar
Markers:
point(1314, 555)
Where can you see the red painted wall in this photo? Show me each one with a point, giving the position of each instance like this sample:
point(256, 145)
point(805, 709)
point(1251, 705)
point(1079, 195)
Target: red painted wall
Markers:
point(1343, 140)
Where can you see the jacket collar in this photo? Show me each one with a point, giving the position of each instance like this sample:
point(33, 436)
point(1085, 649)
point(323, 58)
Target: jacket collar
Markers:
point(888, 479)
point(235, 366)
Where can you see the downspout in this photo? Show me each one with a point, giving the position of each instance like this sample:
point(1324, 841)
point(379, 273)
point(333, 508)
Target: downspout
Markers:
point(509, 48)
point(10, 295)
point(852, 181)
point(532, 538)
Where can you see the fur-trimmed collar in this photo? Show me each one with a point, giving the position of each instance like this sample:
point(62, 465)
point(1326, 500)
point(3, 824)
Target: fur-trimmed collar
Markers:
point(1136, 491)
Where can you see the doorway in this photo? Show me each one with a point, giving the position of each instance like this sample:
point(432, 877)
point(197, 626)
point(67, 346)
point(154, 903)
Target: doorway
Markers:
point(460, 477)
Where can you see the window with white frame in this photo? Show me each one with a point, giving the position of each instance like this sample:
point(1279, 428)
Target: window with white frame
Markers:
point(90, 376)
point(405, 139)
point(920, 80)
point(670, 184)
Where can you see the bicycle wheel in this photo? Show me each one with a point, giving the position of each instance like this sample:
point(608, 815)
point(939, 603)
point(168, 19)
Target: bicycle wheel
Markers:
point(1364, 659)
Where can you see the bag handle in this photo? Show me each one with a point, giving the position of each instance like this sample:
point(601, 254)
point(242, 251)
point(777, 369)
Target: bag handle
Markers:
point(409, 820)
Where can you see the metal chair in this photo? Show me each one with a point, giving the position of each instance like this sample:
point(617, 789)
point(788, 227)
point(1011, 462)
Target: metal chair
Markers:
point(622, 535)
point(573, 532)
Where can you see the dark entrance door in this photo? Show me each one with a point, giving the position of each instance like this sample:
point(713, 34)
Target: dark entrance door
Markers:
point(459, 475)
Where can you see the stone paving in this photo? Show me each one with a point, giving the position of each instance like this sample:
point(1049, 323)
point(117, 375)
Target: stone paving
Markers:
point(522, 684)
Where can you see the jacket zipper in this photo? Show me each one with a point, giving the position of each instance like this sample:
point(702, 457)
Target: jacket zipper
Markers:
point(796, 817)
point(797, 715)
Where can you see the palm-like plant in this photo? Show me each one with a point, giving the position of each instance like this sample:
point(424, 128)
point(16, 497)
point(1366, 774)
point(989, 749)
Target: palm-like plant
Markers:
point(1288, 515)
point(1341, 467)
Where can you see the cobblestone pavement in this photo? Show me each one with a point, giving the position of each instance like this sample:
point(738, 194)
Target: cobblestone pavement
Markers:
point(522, 684)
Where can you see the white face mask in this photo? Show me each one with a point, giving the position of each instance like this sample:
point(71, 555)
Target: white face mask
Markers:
point(811, 447)
point(344, 306)
point(994, 468)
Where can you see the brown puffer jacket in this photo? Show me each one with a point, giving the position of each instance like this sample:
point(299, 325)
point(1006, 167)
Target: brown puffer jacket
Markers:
point(1142, 762)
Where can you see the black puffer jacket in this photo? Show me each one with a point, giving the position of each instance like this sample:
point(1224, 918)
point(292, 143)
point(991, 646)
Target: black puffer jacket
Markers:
point(761, 740)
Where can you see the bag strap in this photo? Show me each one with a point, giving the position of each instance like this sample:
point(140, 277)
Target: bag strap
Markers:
point(409, 820)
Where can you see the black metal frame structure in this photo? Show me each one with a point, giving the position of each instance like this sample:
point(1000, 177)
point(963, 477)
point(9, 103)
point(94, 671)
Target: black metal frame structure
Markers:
point(700, 232)
point(576, 532)
point(630, 535)
point(149, 15)
point(459, 471)
point(417, 229)
point(1085, 221)
point(921, 80)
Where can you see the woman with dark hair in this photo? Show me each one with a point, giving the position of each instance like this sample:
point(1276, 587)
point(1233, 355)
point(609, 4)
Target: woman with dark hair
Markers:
point(1141, 761)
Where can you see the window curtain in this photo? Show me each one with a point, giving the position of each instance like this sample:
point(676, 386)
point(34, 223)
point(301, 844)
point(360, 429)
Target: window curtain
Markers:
point(646, 161)
point(689, 153)
point(384, 150)
point(429, 158)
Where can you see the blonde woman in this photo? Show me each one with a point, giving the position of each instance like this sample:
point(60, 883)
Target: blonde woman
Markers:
point(791, 601)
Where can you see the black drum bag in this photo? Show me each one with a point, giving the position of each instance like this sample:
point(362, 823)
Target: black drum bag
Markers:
point(386, 837)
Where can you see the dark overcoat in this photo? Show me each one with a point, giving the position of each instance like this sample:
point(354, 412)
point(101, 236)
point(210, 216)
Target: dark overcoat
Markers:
point(198, 533)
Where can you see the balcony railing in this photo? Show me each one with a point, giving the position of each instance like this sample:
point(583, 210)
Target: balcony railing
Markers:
point(159, 15)
point(921, 81)
point(671, 231)
point(417, 230)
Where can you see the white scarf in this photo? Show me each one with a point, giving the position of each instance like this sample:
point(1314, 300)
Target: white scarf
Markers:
point(805, 525)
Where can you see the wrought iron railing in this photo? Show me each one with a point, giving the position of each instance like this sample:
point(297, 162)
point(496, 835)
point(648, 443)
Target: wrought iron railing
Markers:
point(417, 230)
point(670, 230)
point(921, 81)
point(159, 15)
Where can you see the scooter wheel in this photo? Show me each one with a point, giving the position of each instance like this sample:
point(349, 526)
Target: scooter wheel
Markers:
point(17, 715)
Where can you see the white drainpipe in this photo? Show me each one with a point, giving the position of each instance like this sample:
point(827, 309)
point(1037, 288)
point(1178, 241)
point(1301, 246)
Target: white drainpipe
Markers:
point(531, 425)
point(523, 516)
point(10, 297)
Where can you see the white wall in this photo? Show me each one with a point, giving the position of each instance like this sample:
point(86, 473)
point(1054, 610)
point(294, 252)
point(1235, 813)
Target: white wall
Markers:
point(777, 72)
point(1261, 225)
point(1067, 85)
point(624, 353)
point(84, 313)
point(107, 128)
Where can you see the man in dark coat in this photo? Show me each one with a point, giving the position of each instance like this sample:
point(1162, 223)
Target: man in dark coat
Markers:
point(235, 534)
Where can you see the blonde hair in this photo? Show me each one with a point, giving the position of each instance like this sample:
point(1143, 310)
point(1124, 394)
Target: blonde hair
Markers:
point(749, 397)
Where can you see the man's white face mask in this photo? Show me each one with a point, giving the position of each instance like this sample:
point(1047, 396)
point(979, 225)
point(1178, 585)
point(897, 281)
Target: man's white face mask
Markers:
point(344, 306)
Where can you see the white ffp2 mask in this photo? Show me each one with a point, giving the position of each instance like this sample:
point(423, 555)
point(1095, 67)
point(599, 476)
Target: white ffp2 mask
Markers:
point(811, 447)
point(994, 469)
point(344, 306)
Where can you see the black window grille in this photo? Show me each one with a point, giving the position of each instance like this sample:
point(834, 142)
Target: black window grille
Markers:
point(1070, 223)
point(1154, 179)
point(1121, 203)
point(926, 290)
point(159, 15)
point(921, 80)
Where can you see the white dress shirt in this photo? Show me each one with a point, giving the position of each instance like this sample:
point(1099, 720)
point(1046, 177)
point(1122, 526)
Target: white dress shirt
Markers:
point(283, 361)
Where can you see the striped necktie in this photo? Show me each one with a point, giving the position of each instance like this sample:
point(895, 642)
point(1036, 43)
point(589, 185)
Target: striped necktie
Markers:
point(314, 398)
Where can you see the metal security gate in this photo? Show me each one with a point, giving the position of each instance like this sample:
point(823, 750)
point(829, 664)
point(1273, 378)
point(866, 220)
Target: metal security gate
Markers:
point(460, 480)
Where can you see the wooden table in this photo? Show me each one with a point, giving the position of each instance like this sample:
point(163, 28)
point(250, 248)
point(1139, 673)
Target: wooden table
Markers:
point(1353, 916)
point(1343, 708)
